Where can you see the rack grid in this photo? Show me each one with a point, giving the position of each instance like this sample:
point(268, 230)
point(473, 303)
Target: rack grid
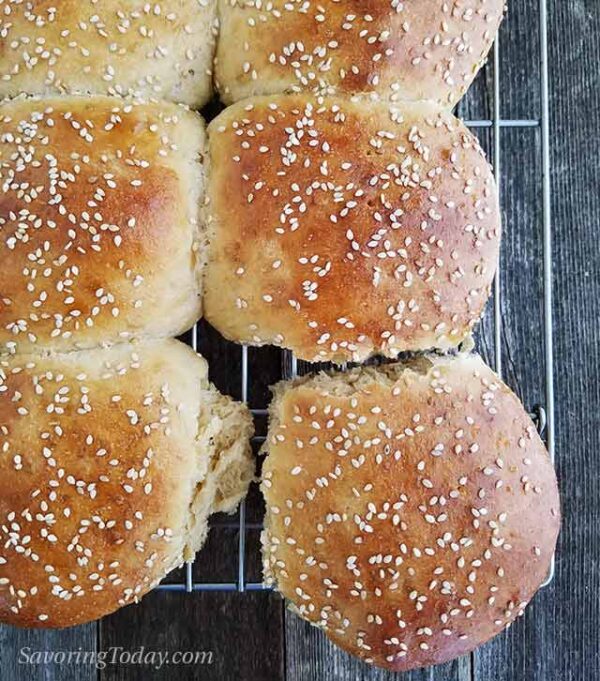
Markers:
point(544, 416)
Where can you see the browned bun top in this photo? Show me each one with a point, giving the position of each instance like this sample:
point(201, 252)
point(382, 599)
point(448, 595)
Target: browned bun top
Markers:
point(394, 49)
point(412, 511)
point(112, 461)
point(161, 50)
point(100, 238)
point(341, 228)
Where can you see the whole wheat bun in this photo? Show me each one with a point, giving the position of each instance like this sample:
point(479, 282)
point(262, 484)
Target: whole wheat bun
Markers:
point(390, 49)
point(99, 203)
point(159, 50)
point(412, 510)
point(342, 228)
point(112, 461)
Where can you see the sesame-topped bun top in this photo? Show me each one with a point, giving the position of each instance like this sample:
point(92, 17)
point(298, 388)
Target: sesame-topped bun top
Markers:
point(412, 510)
point(340, 228)
point(161, 49)
point(99, 233)
point(112, 460)
point(393, 49)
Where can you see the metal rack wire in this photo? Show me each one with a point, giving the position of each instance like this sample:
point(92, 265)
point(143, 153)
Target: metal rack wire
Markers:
point(544, 416)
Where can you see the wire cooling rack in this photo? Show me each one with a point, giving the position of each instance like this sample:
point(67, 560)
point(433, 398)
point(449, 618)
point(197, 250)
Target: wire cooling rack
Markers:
point(544, 416)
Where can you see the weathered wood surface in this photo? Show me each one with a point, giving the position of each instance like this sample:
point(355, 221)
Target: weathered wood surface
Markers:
point(251, 635)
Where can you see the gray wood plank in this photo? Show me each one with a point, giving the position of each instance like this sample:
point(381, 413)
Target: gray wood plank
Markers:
point(558, 638)
point(241, 631)
point(21, 650)
point(519, 61)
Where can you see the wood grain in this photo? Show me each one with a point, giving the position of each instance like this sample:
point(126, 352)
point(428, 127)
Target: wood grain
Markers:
point(241, 631)
point(17, 645)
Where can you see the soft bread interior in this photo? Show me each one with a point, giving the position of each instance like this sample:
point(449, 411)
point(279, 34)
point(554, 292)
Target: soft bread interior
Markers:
point(225, 460)
point(349, 382)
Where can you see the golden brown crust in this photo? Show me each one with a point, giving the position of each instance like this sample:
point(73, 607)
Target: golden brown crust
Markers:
point(112, 461)
point(396, 49)
point(412, 512)
point(158, 50)
point(99, 229)
point(340, 228)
